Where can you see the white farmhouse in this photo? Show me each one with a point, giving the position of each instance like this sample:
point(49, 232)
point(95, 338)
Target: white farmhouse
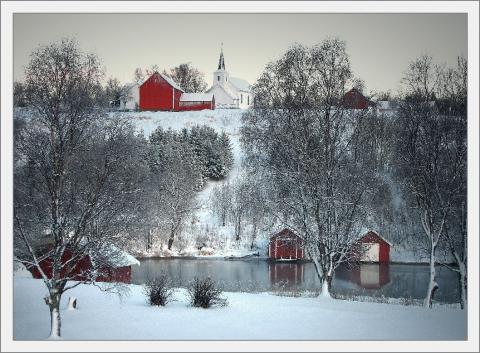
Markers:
point(230, 92)
point(131, 97)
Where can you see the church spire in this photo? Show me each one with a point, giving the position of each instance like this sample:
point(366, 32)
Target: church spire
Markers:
point(221, 61)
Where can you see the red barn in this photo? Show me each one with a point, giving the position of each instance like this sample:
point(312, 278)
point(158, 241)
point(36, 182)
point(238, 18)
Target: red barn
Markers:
point(196, 101)
point(115, 266)
point(354, 99)
point(286, 245)
point(160, 92)
point(374, 248)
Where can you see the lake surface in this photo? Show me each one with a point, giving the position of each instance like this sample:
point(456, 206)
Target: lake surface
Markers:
point(393, 280)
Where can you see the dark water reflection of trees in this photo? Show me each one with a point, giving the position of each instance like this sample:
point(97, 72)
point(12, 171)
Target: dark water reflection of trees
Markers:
point(395, 280)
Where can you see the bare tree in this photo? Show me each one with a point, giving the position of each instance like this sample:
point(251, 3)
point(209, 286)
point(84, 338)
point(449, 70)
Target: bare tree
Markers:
point(452, 95)
point(431, 158)
point(421, 78)
point(221, 201)
point(176, 176)
point(138, 76)
point(305, 144)
point(19, 94)
point(188, 77)
point(75, 178)
point(113, 92)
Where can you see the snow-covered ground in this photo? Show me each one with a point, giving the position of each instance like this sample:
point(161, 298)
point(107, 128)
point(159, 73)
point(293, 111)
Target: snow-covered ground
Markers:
point(102, 316)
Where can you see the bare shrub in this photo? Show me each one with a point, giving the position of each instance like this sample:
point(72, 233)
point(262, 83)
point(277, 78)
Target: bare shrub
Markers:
point(159, 291)
point(204, 293)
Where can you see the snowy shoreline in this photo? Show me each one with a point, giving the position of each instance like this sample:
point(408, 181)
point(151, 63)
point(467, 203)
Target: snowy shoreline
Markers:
point(264, 258)
point(258, 316)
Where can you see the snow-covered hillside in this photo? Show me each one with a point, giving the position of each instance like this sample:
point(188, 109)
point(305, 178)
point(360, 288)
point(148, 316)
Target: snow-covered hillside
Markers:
point(203, 221)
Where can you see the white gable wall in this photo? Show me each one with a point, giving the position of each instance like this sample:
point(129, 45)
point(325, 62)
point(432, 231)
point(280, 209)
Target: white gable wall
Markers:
point(222, 98)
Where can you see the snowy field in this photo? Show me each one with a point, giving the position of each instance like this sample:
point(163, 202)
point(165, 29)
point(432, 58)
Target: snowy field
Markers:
point(102, 316)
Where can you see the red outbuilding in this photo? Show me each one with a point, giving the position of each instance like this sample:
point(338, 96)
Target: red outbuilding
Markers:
point(286, 245)
point(354, 99)
point(111, 265)
point(196, 101)
point(374, 248)
point(160, 92)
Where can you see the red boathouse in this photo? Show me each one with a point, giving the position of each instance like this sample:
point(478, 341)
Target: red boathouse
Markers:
point(374, 248)
point(116, 266)
point(286, 245)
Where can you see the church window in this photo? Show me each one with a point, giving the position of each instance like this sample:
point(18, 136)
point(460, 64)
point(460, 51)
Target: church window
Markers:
point(248, 100)
point(241, 98)
point(218, 78)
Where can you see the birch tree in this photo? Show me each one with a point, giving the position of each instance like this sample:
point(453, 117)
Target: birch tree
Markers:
point(75, 173)
point(304, 142)
point(430, 157)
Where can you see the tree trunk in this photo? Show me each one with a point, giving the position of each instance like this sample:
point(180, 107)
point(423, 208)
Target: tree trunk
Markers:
point(254, 235)
point(53, 302)
point(238, 225)
point(432, 285)
point(170, 240)
point(149, 240)
point(327, 282)
point(462, 278)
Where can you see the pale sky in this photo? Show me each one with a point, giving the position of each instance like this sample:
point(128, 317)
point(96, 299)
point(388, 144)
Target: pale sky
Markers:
point(380, 45)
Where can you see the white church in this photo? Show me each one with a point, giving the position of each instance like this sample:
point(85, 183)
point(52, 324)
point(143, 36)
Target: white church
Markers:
point(230, 92)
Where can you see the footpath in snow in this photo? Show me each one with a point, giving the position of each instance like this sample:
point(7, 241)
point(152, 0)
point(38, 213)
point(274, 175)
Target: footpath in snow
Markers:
point(102, 316)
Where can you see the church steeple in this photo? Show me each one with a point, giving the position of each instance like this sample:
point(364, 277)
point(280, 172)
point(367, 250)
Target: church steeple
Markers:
point(221, 61)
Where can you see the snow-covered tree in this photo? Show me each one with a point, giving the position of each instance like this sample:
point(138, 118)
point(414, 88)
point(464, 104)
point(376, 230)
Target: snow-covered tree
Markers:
point(221, 201)
point(176, 176)
point(113, 92)
point(431, 158)
point(76, 172)
point(453, 103)
point(305, 144)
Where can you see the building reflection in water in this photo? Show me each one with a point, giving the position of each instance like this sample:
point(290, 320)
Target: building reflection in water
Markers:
point(366, 275)
point(290, 275)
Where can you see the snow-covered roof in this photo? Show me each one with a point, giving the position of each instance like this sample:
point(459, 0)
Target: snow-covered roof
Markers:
point(240, 84)
point(171, 82)
point(378, 235)
point(196, 97)
point(113, 256)
point(225, 89)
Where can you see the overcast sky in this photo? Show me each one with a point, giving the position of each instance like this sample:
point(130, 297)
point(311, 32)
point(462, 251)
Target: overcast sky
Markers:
point(380, 45)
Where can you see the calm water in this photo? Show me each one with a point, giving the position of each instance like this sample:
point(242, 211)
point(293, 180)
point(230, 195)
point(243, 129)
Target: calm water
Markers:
point(395, 280)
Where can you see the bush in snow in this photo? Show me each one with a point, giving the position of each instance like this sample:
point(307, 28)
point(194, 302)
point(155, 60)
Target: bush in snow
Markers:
point(159, 291)
point(205, 293)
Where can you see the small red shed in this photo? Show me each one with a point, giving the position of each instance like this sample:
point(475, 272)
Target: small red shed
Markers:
point(111, 265)
point(354, 99)
point(159, 92)
point(374, 248)
point(196, 101)
point(286, 245)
